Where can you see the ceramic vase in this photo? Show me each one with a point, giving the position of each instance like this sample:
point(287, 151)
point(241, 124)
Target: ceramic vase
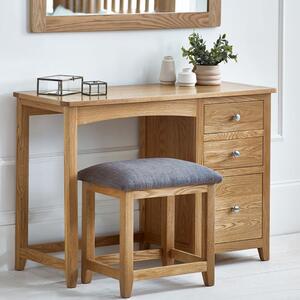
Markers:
point(208, 75)
point(168, 71)
point(187, 78)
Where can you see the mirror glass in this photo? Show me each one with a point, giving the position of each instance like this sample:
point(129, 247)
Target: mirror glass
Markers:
point(110, 7)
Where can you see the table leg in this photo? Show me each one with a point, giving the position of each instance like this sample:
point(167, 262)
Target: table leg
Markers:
point(71, 203)
point(22, 174)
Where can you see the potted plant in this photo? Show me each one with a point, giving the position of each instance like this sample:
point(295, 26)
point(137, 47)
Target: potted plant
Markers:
point(206, 62)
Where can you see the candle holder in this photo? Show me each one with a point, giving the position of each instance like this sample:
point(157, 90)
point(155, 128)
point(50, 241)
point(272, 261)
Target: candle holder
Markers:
point(94, 88)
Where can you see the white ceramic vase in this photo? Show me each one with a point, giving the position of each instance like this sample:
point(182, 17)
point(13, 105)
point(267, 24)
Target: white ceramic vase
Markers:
point(168, 71)
point(187, 78)
point(208, 75)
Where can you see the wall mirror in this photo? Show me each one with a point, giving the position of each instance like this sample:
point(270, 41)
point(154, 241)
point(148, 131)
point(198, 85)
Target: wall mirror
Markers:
point(97, 15)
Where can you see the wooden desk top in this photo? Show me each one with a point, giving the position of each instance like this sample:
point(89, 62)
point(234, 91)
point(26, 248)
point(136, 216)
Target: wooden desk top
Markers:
point(148, 93)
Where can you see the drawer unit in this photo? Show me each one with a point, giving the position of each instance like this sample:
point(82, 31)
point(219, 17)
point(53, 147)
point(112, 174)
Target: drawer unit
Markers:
point(240, 116)
point(239, 208)
point(231, 134)
point(232, 154)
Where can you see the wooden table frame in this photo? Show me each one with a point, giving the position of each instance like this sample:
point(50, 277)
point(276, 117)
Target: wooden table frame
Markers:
point(148, 101)
point(73, 117)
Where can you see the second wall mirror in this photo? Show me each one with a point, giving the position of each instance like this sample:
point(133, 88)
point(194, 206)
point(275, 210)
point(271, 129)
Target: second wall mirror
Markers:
point(96, 15)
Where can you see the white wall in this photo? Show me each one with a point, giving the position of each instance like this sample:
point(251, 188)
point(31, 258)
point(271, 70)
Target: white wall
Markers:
point(134, 57)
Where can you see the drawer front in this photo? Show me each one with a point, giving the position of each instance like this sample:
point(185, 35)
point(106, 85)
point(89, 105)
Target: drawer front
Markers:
point(233, 153)
point(239, 208)
point(234, 117)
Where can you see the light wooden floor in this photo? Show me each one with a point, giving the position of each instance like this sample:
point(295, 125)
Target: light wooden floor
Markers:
point(239, 276)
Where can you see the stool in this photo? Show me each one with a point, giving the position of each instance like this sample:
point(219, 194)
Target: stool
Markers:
point(144, 179)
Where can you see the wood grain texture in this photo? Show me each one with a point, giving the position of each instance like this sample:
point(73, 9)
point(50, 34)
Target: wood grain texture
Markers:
point(238, 245)
point(126, 245)
point(137, 21)
point(264, 252)
point(106, 190)
point(172, 270)
point(209, 250)
point(214, 8)
point(47, 106)
point(87, 115)
point(22, 179)
point(171, 137)
point(245, 192)
point(167, 229)
point(184, 257)
point(143, 255)
point(178, 137)
point(142, 202)
point(42, 258)
point(88, 232)
point(235, 135)
point(241, 171)
point(39, 112)
point(100, 241)
point(70, 194)
point(218, 155)
point(173, 191)
point(166, 138)
point(126, 274)
point(219, 117)
point(199, 203)
point(104, 269)
point(38, 15)
point(199, 224)
point(228, 92)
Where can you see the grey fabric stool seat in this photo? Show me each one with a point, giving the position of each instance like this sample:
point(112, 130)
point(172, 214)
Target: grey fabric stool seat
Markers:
point(150, 173)
point(145, 179)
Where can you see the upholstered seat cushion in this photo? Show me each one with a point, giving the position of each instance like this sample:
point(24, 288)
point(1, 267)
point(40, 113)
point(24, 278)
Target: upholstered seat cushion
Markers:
point(150, 173)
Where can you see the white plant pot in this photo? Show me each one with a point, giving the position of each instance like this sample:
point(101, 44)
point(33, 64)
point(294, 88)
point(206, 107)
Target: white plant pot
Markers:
point(208, 75)
point(187, 78)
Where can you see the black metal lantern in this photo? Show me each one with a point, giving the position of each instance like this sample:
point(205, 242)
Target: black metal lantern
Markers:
point(94, 88)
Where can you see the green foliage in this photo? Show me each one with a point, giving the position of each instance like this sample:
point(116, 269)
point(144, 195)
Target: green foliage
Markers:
point(198, 54)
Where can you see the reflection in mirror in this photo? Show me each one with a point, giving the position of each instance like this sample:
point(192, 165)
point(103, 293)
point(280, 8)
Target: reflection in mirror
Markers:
point(109, 7)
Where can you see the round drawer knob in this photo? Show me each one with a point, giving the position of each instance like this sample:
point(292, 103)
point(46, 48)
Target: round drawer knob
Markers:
point(236, 117)
point(236, 154)
point(235, 209)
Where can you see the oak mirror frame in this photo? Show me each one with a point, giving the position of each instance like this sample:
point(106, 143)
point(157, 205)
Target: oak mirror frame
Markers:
point(40, 22)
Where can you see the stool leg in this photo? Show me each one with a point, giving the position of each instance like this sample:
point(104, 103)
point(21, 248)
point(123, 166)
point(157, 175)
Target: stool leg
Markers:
point(167, 228)
point(88, 232)
point(126, 245)
point(199, 223)
point(209, 276)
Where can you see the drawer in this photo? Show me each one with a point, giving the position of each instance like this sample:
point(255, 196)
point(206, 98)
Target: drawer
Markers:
point(244, 192)
point(233, 153)
point(234, 117)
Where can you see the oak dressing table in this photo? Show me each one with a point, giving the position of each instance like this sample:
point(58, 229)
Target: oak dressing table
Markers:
point(226, 128)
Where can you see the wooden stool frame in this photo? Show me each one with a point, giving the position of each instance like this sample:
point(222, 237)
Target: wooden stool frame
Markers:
point(204, 261)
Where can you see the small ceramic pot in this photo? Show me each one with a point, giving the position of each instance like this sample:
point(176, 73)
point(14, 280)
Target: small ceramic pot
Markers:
point(208, 75)
point(187, 78)
point(168, 71)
